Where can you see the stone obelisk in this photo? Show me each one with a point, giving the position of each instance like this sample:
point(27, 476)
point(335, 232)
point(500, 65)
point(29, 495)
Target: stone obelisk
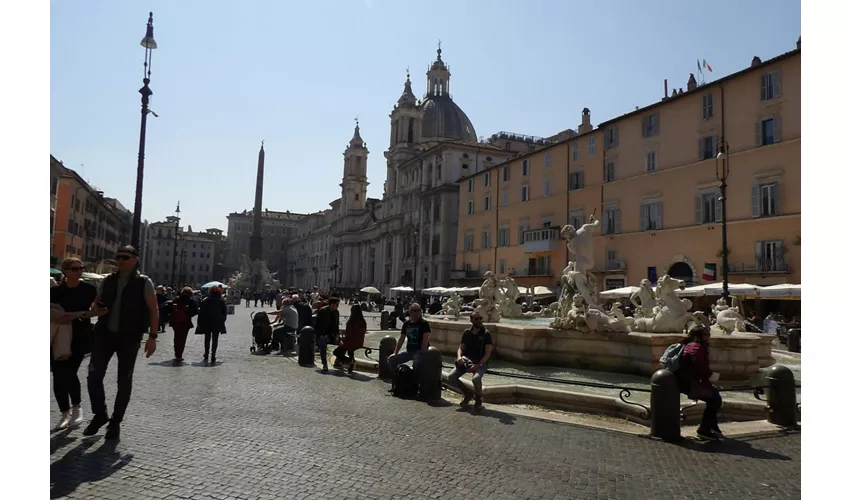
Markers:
point(255, 250)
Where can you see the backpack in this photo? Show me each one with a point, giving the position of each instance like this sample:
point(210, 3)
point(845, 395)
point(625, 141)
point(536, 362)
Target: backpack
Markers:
point(672, 356)
point(179, 314)
point(405, 385)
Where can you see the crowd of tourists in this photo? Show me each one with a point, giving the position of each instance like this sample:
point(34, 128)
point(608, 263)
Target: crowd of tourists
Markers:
point(128, 305)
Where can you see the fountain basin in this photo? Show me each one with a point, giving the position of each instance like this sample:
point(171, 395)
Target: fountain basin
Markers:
point(734, 356)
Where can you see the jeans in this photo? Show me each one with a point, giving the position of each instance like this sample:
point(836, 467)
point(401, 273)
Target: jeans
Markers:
point(403, 357)
point(712, 406)
point(66, 382)
point(322, 345)
point(207, 337)
point(180, 334)
point(107, 344)
point(454, 378)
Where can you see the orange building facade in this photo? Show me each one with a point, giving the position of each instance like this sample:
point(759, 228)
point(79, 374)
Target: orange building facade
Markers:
point(650, 177)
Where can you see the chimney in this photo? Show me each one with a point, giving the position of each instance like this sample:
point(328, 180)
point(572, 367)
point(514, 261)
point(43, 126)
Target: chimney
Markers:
point(756, 62)
point(798, 42)
point(585, 122)
point(665, 89)
point(692, 83)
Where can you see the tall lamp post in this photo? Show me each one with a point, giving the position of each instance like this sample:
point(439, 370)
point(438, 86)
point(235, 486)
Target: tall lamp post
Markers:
point(149, 44)
point(722, 173)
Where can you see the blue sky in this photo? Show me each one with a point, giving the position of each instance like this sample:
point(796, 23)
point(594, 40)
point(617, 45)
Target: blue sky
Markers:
point(229, 74)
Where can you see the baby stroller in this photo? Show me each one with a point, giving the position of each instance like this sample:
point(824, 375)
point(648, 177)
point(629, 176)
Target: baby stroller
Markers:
point(261, 332)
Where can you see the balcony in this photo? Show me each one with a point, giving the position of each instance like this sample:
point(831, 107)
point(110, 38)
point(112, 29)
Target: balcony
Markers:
point(532, 272)
point(462, 274)
point(541, 240)
point(615, 265)
point(761, 267)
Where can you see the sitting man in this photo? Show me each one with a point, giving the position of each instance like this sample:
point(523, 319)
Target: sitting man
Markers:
point(287, 318)
point(417, 331)
point(476, 347)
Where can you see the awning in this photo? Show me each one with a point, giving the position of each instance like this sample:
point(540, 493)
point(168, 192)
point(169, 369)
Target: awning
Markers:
point(395, 289)
point(618, 293)
point(784, 290)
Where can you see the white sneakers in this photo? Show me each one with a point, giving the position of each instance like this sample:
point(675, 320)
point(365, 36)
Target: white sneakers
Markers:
point(71, 418)
point(64, 421)
point(76, 416)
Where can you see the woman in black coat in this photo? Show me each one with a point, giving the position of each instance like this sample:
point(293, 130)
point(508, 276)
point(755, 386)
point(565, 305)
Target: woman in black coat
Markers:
point(211, 319)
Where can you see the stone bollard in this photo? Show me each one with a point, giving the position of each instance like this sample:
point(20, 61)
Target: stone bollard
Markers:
point(794, 340)
point(307, 347)
point(385, 320)
point(387, 348)
point(431, 374)
point(665, 417)
point(781, 396)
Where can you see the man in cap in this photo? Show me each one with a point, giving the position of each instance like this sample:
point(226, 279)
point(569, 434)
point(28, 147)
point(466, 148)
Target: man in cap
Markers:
point(126, 304)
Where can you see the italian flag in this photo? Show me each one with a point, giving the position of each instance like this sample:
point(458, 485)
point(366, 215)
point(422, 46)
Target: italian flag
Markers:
point(706, 66)
point(709, 272)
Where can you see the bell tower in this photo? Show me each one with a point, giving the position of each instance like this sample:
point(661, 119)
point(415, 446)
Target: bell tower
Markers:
point(354, 179)
point(405, 133)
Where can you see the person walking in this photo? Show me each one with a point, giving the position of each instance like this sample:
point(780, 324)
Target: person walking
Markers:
point(74, 296)
point(697, 380)
point(355, 334)
point(327, 329)
point(211, 319)
point(126, 303)
point(183, 309)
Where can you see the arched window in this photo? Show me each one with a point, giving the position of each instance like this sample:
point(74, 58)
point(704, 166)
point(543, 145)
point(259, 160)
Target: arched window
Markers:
point(410, 131)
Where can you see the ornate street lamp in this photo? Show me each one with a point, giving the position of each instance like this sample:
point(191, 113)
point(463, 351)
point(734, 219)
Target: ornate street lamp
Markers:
point(722, 173)
point(149, 44)
point(415, 256)
point(174, 256)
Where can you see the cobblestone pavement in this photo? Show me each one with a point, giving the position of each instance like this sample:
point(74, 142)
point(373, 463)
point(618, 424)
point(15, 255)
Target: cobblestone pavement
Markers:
point(261, 427)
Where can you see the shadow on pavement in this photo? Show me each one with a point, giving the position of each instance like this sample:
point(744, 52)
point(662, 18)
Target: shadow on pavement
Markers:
point(503, 418)
point(77, 467)
point(60, 440)
point(731, 447)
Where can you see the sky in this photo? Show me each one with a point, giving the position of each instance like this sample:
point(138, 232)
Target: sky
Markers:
point(227, 75)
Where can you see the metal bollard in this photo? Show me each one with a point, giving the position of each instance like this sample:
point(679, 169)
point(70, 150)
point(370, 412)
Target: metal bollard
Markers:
point(307, 347)
point(387, 347)
point(794, 340)
point(665, 420)
point(431, 374)
point(781, 396)
point(385, 320)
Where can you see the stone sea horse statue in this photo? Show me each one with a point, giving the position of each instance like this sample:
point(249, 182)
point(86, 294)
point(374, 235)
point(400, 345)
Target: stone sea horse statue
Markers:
point(729, 318)
point(510, 290)
point(645, 303)
point(672, 313)
point(489, 297)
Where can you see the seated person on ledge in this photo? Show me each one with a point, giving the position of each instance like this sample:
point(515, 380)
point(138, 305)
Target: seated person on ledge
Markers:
point(476, 347)
point(417, 331)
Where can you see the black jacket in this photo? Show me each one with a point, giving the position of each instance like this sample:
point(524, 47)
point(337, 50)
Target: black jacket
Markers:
point(327, 323)
point(212, 316)
point(305, 315)
point(134, 317)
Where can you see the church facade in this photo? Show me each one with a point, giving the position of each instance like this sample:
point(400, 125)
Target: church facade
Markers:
point(409, 236)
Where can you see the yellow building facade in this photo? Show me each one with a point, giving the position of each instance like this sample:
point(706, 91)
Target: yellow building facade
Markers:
point(650, 177)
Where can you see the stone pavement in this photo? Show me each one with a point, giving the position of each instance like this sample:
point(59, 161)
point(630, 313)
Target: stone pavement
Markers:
point(261, 427)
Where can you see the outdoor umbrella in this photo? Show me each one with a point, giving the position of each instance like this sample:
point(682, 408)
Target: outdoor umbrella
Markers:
point(54, 271)
point(214, 283)
point(370, 289)
point(618, 293)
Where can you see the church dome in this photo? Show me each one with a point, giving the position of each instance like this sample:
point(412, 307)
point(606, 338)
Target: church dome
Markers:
point(444, 119)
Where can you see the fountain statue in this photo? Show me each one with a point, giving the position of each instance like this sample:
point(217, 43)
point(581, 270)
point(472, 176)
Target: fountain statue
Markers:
point(452, 306)
point(509, 306)
point(253, 275)
point(729, 318)
point(671, 315)
point(490, 297)
point(645, 305)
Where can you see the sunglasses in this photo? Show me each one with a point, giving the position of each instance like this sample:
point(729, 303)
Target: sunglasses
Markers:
point(75, 269)
point(477, 319)
point(123, 257)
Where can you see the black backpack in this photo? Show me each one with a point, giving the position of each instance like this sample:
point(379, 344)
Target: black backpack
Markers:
point(405, 385)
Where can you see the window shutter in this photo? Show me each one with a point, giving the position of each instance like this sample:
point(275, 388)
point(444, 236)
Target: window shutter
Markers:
point(777, 134)
point(616, 136)
point(643, 210)
point(763, 87)
point(780, 250)
point(758, 133)
point(658, 124)
point(777, 198)
point(718, 207)
point(759, 246)
point(700, 149)
point(604, 221)
point(777, 84)
point(716, 145)
point(617, 221)
point(660, 218)
point(698, 209)
point(756, 201)
point(580, 179)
